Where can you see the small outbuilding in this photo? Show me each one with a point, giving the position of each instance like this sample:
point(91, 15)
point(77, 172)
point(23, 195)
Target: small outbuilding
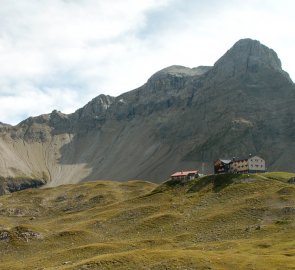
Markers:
point(185, 175)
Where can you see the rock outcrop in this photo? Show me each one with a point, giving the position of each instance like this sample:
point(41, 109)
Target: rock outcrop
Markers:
point(10, 184)
point(3, 125)
point(247, 56)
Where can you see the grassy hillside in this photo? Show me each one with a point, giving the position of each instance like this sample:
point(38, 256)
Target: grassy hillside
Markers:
point(216, 222)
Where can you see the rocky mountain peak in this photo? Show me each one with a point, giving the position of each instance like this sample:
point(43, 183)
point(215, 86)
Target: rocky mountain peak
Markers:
point(180, 71)
point(173, 77)
point(55, 114)
point(96, 108)
point(247, 56)
point(58, 119)
point(3, 125)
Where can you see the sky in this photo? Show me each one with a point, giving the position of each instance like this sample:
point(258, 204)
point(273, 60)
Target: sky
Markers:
point(59, 54)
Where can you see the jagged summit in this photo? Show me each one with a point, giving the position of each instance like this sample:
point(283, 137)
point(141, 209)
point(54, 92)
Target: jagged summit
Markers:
point(177, 70)
point(245, 57)
point(174, 77)
point(3, 125)
point(96, 107)
point(254, 51)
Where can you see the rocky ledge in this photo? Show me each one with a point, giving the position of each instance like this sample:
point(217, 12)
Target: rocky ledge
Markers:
point(10, 184)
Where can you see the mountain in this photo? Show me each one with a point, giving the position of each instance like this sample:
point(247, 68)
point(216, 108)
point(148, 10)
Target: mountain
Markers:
point(214, 222)
point(181, 118)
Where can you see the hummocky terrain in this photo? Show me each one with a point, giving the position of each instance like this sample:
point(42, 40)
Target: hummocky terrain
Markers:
point(214, 222)
point(181, 118)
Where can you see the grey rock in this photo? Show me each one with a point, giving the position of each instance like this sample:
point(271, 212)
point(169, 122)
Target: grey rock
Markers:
point(10, 184)
point(247, 56)
point(4, 236)
point(4, 125)
point(25, 234)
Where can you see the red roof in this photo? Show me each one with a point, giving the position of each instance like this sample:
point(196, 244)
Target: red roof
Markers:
point(183, 173)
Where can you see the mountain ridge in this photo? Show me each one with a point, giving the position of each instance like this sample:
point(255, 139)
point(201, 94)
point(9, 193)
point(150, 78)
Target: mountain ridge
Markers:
point(180, 118)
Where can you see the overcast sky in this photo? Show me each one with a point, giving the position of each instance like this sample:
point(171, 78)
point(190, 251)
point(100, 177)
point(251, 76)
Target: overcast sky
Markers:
point(59, 54)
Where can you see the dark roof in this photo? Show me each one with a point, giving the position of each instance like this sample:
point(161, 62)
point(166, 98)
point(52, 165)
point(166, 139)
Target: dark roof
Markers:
point(227, 160)
point(241, 158)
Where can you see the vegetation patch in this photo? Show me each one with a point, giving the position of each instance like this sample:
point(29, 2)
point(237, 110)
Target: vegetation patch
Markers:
point(287, 191)
point(283, 222)
point(280, 176)
point(218, 182)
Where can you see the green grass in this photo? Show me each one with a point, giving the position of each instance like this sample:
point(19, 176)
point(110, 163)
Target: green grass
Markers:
point(281, 176)
point(215, 222)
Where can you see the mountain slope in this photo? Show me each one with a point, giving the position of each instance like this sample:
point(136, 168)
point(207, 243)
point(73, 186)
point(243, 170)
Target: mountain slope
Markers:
point(215, 222)
point(181, 118)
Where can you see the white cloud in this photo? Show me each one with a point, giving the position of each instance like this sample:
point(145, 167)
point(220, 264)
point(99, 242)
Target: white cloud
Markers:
point(65, 47)
point(58, 54)
point(33, 101)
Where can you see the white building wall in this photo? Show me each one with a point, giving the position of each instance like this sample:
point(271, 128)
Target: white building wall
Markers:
point(256, 164)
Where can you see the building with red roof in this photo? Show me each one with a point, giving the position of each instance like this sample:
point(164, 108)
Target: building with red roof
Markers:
point(185, 175)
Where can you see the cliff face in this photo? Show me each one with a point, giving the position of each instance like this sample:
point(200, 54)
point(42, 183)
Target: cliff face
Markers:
point(247, 57)
point(181, 118)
